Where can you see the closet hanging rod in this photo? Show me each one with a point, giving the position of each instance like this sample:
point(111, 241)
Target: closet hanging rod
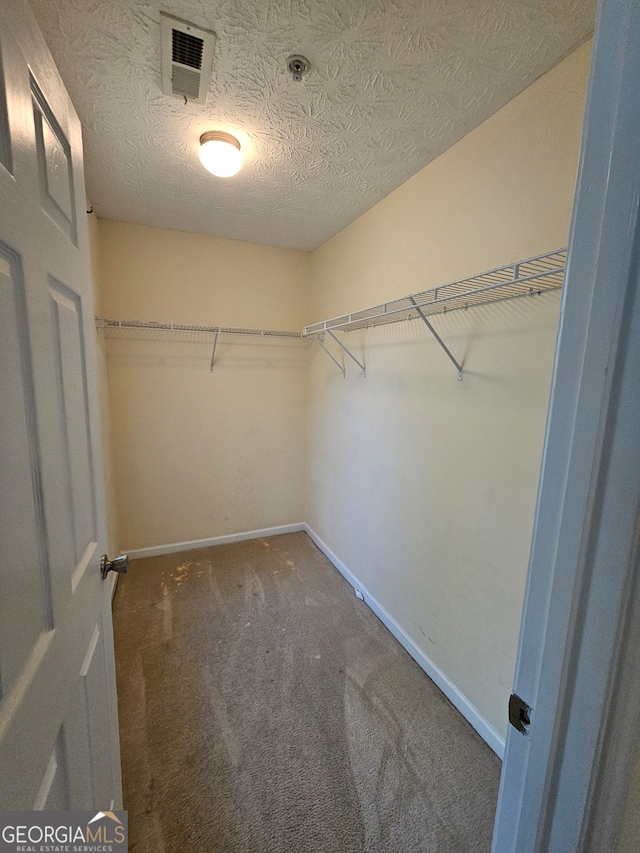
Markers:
point(522, 278)
point(102, 323)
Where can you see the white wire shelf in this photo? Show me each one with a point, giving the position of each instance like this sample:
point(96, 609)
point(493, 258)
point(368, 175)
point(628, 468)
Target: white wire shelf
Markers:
point(102, 323)
point(216, 331)
point(524, 278)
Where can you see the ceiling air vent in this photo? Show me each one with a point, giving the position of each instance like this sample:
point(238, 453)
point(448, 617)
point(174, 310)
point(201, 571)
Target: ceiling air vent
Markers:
point(187, 57)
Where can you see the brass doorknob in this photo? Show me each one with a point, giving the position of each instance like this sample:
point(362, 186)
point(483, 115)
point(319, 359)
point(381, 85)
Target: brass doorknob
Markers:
point(120, 564)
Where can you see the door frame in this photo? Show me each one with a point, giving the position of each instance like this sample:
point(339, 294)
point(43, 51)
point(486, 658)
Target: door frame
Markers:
point(565, 783)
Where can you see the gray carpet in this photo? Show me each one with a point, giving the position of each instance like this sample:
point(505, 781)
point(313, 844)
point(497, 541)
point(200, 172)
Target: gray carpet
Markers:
point(265, 709)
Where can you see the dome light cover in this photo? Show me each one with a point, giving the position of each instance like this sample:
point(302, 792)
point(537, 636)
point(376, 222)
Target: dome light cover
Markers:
point(220, 153)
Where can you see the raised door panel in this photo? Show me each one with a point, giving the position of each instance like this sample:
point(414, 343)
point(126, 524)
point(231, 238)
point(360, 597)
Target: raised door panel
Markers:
point(71, 380)
point(25, 603)
point(53, 793)
point(87, 733)
point(55, 169)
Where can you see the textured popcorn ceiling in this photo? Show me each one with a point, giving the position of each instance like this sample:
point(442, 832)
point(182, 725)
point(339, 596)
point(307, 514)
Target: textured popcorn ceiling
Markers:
point(393, 84)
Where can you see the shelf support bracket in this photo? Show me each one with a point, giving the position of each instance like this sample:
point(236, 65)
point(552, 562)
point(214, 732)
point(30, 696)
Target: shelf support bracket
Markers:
point(213, 354)
point(437, 337)
point(350, 354)
point(332, 357)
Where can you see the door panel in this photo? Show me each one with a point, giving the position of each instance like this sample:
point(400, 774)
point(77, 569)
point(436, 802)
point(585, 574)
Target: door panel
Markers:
point(70, 371)
point(94, 687)
point(58, 722)
point(55, 172)
point(54, 789)
point(24, 577)
point(87, 739)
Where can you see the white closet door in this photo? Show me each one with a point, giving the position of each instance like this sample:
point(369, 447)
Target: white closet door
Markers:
point(58, 725)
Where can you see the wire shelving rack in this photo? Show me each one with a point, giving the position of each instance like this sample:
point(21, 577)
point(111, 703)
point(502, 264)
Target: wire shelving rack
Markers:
point(522, 278)
point(216, 331)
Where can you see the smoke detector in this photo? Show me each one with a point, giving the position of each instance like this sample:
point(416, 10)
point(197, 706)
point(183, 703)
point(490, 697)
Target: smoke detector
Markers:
point(187, 59)
point(297, 66)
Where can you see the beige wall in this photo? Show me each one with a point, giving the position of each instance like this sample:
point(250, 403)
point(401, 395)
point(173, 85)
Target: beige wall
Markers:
point(424, 486)
point(103, 390)
point(200, 454)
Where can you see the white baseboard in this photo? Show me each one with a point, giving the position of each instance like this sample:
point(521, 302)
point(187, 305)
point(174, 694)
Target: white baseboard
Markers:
point(173, 547)
point(458, 699)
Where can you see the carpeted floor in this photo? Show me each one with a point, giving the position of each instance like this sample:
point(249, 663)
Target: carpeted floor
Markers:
point(265, 709)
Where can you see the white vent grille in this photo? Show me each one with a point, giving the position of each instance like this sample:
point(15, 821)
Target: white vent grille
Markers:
point(185, 83)
point(186, 49)
point(187, 57)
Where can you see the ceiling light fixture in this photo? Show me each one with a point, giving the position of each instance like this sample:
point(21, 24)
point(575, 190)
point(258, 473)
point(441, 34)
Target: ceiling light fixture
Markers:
point(220, 153)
